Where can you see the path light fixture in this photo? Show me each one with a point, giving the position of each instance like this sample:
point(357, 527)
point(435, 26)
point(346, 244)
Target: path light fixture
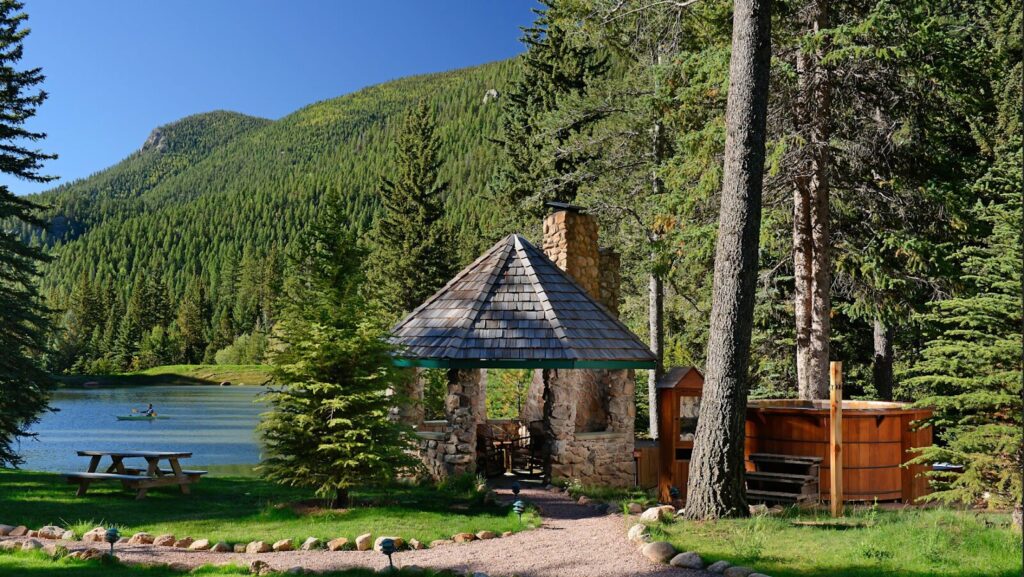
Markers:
point(519, 507)
point(516, 488)
point(387, 547)
point(112, 535)
point(673, 492)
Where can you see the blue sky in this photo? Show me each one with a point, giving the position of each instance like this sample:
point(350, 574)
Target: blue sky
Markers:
point(116, 69)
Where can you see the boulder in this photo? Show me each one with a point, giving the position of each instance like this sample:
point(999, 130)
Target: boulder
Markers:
point(199, 545)
point(635, 508)
point(416, 544)
point(688, 560)
point(338, 544)
point(758, 509)
point(31, 545)
point(310, 543)
point(463, 537)
point(91, 554)
point(141, 538)
point(655, 514)
point(638, 534)
point(258, 566)
point(583, 500)
point(183, 543)
point(486, 535)
point(399, 542)
point(738, 571)
point(718, 567)
point(364, 542)
point(284, 545)
point(238, 547)
point(32, 533)
point(19, 531)
point(50, 532)
point(9, 545)
point(258, 547)
point(507, 534)
point(659, 551)
point(221, 547)
point(166, 540)
point(94, 535)
point(68, 535)
point(5, 530)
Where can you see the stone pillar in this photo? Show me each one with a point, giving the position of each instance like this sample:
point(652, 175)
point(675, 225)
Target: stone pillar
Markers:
point(570, 241)
point(480, 401)
point(610, 279)
point(460, 434)
point(560, 421)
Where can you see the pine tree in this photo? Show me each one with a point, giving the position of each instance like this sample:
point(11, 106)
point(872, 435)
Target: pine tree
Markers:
point(970, 370)
point(413, 253)
point(328, 426)
point(193, 313)
point(24, 386)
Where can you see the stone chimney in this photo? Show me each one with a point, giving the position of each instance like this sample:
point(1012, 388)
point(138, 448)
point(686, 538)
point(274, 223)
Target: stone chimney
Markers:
point(570, 240)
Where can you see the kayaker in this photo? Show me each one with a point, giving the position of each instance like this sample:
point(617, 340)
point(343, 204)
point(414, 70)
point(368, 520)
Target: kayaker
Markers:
point(149, 412)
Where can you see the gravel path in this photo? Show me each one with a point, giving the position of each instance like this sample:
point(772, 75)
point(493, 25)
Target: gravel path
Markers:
point(573, 540)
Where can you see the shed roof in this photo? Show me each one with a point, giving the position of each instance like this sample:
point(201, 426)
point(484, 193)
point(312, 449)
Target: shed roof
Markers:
point(513, 307)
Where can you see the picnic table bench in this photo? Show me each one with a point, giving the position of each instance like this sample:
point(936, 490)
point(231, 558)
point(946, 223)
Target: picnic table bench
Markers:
point(140, 480)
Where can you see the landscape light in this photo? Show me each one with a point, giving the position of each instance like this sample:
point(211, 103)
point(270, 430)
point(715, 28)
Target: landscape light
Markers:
point(673, 492)
point(387, 547)
point(112, 535)
point(515, 488)
point(519, 507)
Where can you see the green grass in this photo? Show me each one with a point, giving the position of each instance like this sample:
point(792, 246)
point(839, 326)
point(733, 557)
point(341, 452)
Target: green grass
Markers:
point(867, 543)
point(239, 510)
point(36, 564)
point(611, 495)
point(179, 375)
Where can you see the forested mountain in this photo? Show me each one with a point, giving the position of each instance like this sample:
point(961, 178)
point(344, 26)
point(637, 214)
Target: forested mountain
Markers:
point(216, 200)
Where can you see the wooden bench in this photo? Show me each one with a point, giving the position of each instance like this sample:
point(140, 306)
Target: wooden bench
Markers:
point(135, 478)
point(83, 480)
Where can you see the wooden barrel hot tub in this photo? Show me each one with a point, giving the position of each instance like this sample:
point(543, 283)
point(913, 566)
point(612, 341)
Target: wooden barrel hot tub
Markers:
point(877, 439)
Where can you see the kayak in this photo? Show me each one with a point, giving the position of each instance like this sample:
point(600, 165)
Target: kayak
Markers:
point(140, 417)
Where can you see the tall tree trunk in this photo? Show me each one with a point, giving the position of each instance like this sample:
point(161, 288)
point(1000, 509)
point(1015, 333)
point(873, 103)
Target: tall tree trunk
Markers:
point(656, 328)
point(716, 485)
point(811, 231)
point(883, 375)
point(340, 499)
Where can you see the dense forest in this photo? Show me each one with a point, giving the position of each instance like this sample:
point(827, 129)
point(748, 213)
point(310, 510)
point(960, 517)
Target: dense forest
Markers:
point(889, 227)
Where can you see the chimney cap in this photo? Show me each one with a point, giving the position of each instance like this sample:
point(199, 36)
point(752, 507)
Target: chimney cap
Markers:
point(563, 206)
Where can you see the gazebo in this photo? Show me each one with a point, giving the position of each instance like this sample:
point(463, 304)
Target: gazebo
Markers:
point(514, 307)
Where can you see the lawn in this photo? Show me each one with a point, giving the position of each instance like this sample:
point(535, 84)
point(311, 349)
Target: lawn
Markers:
point(179, 375)
point(36, 564)
point(868, 543)
point(239, 510)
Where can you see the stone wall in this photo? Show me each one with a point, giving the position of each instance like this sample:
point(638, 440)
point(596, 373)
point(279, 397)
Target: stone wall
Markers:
point(596, 457)
point(570, 241)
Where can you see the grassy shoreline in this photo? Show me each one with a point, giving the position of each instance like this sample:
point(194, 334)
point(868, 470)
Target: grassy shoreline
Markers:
point(240, 510)
point(177, 375)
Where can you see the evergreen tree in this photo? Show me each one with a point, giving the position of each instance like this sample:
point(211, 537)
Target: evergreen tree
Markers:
point(538, 167)
point(24, 386)
point(970, 370)
point(413, 253)
point(193, 313)
point(328, 426)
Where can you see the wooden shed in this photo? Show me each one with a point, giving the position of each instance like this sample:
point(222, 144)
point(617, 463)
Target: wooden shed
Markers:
point(679, 395)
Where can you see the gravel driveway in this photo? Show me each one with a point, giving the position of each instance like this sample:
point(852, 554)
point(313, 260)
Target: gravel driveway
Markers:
point(573, 540)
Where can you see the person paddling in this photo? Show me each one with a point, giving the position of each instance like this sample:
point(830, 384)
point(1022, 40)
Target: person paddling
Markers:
point(149, 412)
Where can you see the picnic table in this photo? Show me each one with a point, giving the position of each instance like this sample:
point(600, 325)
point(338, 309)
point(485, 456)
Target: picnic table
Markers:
point(135, 478)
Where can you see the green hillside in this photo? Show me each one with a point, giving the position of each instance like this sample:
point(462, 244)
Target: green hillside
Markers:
point(206, 188)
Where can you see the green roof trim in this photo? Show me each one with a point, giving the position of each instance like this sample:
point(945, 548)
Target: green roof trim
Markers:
point(519, 364)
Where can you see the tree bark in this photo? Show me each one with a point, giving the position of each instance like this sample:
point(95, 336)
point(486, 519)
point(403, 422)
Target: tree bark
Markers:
point(811, 231)
point(716, 484)
point(656, 320)
point(883, 375)
point(340, 499)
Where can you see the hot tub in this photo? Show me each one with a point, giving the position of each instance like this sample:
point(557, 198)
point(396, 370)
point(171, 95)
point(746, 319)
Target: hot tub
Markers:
point(878, 437)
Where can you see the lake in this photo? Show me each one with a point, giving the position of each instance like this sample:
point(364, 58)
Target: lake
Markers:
point(216, 424)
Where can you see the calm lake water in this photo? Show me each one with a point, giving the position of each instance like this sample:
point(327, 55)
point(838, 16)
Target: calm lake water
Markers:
point(217, 424)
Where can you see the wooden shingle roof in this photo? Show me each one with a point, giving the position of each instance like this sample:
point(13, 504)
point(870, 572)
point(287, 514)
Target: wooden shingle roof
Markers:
point(513, 307)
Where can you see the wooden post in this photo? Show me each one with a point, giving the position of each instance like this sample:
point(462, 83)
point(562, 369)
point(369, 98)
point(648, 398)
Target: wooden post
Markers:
point(835, 444)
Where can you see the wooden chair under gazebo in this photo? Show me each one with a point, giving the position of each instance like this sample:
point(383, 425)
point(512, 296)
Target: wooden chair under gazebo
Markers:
point(514, 307)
